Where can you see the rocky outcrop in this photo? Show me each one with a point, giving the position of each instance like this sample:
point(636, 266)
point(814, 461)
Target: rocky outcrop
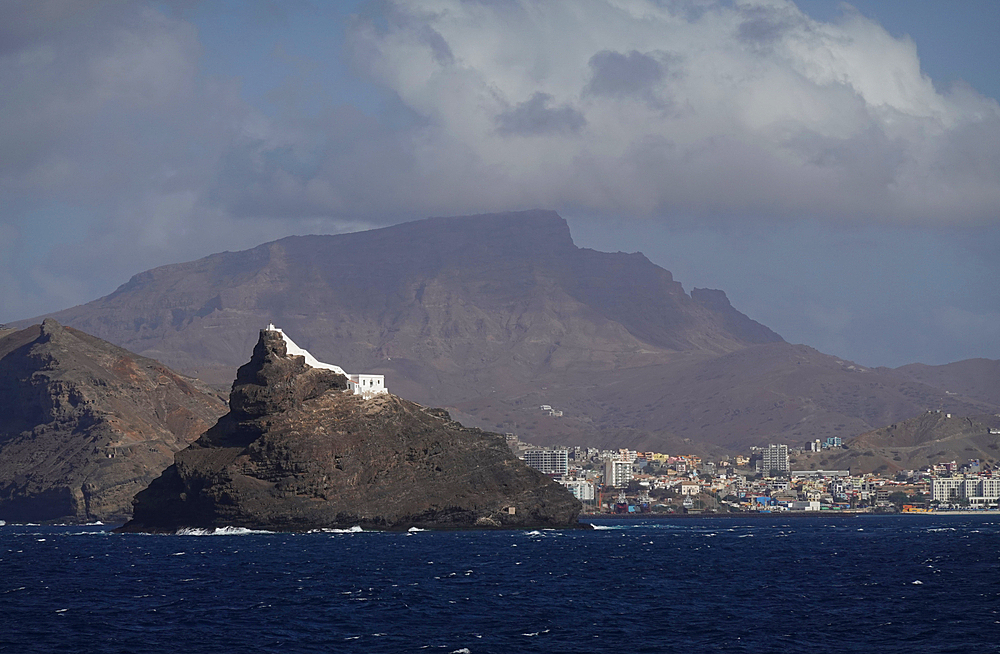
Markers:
point(85, 425)
point(297, 452)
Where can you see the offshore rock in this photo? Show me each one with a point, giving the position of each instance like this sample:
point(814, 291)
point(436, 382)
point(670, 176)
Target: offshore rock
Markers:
point(297, 452)
point(85, 425)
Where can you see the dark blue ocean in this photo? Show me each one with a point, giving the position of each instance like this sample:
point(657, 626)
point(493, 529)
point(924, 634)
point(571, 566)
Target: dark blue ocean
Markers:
point(914, 584)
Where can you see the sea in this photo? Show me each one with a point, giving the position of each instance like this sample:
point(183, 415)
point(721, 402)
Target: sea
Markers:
point(914, 584)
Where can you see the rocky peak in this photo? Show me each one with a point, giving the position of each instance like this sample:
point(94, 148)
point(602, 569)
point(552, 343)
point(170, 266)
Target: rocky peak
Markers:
point(711, 298)
point(298, 453)
point(273, 382)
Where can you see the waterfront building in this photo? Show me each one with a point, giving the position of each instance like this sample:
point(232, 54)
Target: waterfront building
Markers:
point(582, 489)
point(979, 491)
point(617, 473)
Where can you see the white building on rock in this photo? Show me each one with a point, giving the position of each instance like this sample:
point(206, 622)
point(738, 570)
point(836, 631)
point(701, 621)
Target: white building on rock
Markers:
point(359, 384)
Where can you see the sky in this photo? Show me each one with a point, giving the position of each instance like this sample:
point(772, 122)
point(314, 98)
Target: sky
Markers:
point(834, 167)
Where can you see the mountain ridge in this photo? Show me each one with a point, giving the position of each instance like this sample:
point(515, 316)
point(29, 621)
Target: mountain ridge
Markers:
point(515, 281)
point(494, 314)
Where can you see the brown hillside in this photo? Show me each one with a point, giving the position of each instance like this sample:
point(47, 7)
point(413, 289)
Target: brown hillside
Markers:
point(84, 425)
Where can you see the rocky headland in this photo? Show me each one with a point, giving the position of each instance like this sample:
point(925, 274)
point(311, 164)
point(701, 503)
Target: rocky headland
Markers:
point(298, 451)
point(85, 425)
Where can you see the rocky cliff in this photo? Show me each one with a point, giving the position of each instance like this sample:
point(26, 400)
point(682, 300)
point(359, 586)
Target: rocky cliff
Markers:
point(85, 425)
point(297, 452)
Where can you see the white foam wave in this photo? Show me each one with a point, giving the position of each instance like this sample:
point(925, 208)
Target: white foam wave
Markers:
point(411, 529)
point(220, 531)
point(356, 529)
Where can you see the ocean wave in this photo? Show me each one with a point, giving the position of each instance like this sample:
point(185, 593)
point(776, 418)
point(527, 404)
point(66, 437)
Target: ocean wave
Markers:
point(356, 529)
point(220, 531)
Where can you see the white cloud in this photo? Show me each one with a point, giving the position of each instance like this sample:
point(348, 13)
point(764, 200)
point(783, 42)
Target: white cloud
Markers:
point(686, 109)
point(764, 111)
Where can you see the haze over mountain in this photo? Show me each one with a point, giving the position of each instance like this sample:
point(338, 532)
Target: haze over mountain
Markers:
point(495, 315)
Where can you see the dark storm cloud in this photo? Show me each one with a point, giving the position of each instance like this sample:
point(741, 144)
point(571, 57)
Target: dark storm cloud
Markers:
point(534, 117)
point(439, 47)
point(618, 75)
point(765, 26)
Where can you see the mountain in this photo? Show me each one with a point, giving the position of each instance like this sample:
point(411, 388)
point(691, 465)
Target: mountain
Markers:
point(766, 393)
point(297, 451)
point(493, 316)
point(442, 305)
point(915, 443)
point(84, 425)
point(974, 378)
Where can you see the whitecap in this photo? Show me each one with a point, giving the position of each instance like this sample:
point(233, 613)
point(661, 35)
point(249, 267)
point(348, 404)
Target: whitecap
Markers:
point(917, 583)
point(413, 529)
point(464, 650)
point(220, 531)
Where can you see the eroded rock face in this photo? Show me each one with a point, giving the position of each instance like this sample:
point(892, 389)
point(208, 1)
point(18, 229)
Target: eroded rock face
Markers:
point(85, 425)
point(296, 452)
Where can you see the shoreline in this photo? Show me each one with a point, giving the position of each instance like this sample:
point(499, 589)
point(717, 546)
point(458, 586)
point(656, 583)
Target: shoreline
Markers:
point(776, 514)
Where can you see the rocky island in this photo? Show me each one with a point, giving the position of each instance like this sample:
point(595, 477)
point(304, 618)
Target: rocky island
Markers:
point(300, 451)
point(85, 425)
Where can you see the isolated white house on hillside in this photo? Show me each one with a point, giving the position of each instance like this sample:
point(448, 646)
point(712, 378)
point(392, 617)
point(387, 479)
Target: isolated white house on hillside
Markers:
point(359, 384)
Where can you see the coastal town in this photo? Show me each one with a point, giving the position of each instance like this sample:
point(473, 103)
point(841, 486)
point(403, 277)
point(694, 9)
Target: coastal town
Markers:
point(625, 481)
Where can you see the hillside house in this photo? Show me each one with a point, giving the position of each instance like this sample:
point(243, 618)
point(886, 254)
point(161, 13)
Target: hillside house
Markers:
point(359, 384)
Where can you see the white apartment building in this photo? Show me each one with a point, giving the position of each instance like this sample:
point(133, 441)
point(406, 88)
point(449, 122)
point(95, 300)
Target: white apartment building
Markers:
point(551, 462)
point(773, 457)
point(980, 491)
point(617, 473)
point(582, 489)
